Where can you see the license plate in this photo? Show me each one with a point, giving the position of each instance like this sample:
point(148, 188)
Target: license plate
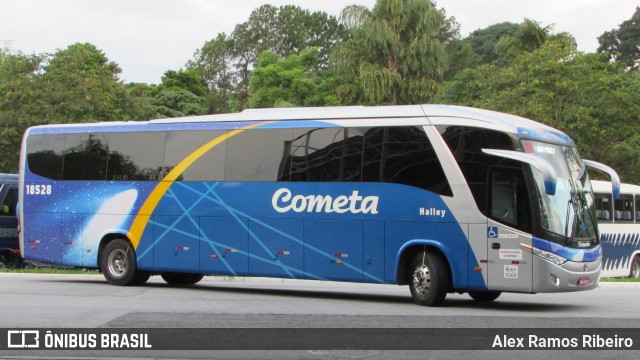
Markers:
point(583, 281)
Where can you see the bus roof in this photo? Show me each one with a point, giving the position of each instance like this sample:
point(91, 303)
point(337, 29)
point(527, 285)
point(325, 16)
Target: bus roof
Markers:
point(604, 187)
point(435, 115)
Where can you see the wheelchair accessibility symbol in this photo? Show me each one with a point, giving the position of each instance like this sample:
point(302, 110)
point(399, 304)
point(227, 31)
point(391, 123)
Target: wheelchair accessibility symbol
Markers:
point(492, 232)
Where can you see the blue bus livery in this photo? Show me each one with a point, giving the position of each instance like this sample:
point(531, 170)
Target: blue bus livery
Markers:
point(441, 198)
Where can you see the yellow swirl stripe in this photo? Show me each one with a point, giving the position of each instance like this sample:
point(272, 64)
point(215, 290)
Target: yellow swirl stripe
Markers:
point(150, 204)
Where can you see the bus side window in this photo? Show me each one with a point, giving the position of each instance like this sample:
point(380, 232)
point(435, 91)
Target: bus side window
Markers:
point(623, 211)
point(603, 207)
point(508, 198)
point(637, 208)
point(466, 144)
point(45, 155)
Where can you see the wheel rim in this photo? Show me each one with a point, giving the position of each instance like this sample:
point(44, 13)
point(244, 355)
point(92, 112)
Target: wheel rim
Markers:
point(422, 279)
point(117, 263)
point(635, 270)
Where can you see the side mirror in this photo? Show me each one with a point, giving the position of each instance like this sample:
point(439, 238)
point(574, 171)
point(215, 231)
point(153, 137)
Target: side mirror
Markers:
point(615, 179)
point(542, 165)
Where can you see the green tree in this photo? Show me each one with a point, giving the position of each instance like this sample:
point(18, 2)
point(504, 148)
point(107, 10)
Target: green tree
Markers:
point(291, 81)
point(396, 52)
point(214, 62)
point(226, 62)
point(20, 86)
point(623, 43)
point(181, 93)
point(288, 30)
point(528, 37)
point(596, 102)
point(20, 103)
point(82, 84)
point(188, 80)
point(484, 41)
point(178, 103)
point(140, 99)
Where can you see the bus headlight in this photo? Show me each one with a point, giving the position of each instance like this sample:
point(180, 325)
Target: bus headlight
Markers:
point(549, 256)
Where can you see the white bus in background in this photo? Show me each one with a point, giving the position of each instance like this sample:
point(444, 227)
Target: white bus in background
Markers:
point(619, 225)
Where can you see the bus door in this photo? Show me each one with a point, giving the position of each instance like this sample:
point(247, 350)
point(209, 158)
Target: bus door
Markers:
point(510, 267)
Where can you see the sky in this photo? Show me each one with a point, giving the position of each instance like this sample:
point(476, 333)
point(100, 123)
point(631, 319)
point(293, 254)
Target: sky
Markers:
point(148, 37)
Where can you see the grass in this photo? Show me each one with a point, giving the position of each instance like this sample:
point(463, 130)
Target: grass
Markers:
point(49, 270)
point(623, 279)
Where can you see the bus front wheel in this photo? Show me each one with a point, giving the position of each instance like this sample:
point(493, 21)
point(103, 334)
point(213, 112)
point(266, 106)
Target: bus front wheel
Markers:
point(428, 279)
point(635, 268)
point(119, 267)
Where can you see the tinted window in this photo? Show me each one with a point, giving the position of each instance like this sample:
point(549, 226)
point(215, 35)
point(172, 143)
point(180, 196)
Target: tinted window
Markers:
point(330, 154)
point(351, 167)
point(403, 155)
point(256, 155)
point(136, 156)
point(409, 159)
point(466, 145)
point(85, 157)
point(209, 166)
point(45, 155)
point(400, 155)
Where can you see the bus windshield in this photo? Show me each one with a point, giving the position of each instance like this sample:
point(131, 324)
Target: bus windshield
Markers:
point(571, 211)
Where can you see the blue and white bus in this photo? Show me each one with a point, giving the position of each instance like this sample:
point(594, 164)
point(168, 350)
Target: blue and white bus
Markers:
point(440, 198)
point(619, 224)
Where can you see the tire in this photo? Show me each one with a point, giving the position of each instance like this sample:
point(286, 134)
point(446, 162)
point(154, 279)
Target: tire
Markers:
point(5, 260)
point(635, 268)
point(118, 264)
point(429, 279)
point(484, 296)
point(177, 279)
point(9, 259)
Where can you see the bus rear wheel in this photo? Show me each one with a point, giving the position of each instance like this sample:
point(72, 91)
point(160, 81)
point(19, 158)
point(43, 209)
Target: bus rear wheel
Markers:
point(176, 278)
point(429, 279)
point(484, 295)
point(118, 264)
point(635, 268)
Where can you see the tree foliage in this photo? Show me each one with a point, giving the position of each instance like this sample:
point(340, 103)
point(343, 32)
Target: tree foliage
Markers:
point(484, 41)
point(226, 62)
point(181, 93)
point(623, 43)
point(528, 37)
point(214, 62)
point(396, 51)
point(82, 84)
point(597, 103)
point(291, 81)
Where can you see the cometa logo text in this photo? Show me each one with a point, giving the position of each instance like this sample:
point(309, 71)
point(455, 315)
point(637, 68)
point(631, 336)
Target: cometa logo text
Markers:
point(283, 201)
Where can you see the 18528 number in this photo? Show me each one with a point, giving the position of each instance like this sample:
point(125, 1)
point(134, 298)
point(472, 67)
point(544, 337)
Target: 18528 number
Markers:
point(38, 189)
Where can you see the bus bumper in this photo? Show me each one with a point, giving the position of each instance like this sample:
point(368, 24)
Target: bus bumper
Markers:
point(570, 276)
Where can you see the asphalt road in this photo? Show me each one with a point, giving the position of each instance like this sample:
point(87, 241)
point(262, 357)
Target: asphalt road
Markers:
point(87, 301)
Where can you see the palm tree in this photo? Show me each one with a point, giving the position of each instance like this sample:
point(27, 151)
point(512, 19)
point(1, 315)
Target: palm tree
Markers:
point(395, 51)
